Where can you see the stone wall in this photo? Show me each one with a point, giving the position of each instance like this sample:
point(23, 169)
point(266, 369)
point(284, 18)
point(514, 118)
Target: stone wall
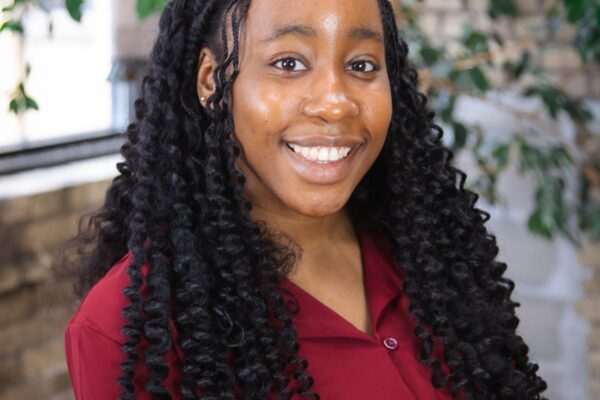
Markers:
point(35, 306)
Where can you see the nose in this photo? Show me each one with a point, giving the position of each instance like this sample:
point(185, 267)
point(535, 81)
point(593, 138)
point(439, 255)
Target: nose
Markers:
point(329, 98)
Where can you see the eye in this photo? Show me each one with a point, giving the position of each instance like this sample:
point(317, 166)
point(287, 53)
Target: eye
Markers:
point(289, 64)
point(363, 66)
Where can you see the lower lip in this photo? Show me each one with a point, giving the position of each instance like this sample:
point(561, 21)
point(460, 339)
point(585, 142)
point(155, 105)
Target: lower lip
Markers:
point(321, 172)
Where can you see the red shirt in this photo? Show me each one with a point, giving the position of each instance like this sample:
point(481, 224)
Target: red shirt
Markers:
point(345, 362)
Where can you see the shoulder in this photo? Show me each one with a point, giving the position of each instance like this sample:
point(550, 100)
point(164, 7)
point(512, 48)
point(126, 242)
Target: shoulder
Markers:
point(100, 310)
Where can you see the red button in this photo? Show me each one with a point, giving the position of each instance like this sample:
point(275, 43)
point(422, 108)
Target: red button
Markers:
point(390, 343)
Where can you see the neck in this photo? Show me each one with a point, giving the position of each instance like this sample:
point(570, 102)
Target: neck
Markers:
point(310, 233)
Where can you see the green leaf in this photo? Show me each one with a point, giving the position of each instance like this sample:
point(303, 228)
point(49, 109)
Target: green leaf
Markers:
point(14, 26)
point(530, 157)
point(589, 219)
point(538, 222)
point(472, 79)
point(21, 101)
point(14, 106)
point(552, 97)
point(430, 55)
point(498, 8)
point(515, 71)
point(559, 157)
point(145, 8)
point(578, 111)
point(475, 41)
point(523, 64)
point(557, 99)
point(551, 213)
point(576, 9)
point(479, 79)
point(31, 104)
point(74, 8)
point(460, 135)
point(500, 154)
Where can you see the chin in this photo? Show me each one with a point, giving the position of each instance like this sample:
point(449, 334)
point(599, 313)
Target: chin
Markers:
point(319, 207)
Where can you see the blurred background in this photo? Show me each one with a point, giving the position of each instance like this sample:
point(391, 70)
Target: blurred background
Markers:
point(514, 83)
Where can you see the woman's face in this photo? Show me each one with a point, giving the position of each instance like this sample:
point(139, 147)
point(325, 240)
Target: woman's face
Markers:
point(312, 102)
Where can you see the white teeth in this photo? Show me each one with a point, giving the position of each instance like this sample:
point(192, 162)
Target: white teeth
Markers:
point(334, 154)
point(321, 154)
point(314, 153)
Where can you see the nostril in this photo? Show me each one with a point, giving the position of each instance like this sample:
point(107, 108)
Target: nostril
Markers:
point(332, 111)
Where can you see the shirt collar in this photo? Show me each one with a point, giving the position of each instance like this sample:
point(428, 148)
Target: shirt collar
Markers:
point(382, 284)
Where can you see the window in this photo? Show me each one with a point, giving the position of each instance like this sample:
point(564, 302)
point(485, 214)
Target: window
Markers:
point(68, 80)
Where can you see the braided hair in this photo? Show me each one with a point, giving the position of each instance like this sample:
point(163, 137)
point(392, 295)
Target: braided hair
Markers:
point(178, 205)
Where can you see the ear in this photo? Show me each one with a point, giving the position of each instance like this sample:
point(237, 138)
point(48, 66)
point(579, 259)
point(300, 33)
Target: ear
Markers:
point(205, 85)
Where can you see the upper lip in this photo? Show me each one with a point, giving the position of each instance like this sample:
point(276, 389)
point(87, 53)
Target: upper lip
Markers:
point(325, 141)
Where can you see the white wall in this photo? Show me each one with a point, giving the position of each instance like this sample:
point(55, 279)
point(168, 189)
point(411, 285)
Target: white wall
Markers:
point(547, 275)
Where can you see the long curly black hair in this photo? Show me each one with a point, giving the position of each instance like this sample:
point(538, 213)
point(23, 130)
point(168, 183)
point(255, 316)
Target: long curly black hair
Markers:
point(178, 205)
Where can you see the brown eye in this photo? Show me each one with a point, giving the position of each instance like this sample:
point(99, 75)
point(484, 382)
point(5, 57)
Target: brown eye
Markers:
point(289, 64)
point(363, 66)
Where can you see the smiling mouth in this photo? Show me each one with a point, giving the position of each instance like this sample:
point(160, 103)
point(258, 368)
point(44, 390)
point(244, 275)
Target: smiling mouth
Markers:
point(322, 154)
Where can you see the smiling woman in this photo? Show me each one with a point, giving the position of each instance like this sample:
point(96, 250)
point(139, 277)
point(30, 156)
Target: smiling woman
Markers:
point(287, 224)
point(310, 91)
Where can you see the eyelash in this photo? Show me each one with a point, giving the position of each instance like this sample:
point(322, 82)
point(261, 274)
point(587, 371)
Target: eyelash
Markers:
point(375, 67)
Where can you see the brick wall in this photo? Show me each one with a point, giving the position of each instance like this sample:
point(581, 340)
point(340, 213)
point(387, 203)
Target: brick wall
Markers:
point(589, 308)
point(444, 20)
point(34, 305)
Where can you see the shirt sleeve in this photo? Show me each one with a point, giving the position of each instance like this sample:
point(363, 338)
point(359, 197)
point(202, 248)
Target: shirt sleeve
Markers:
point(93, 361)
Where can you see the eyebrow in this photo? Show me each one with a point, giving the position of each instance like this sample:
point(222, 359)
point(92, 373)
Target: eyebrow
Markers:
point(359, 33)
point(363, 33)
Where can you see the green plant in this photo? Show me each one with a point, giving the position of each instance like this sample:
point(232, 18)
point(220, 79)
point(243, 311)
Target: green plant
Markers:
point(12, 14)
point(144, 8)
point(466, 73)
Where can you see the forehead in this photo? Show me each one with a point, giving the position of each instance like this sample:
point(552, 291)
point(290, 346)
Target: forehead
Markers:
point(325, 17)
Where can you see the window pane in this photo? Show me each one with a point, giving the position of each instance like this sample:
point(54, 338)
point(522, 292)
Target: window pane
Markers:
point(69, 71)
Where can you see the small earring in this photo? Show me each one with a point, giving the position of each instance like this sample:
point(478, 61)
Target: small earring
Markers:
point(203, 99)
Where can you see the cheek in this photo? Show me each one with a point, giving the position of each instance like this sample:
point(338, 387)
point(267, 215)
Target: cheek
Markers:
point(378, 114)
point(258, 111)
